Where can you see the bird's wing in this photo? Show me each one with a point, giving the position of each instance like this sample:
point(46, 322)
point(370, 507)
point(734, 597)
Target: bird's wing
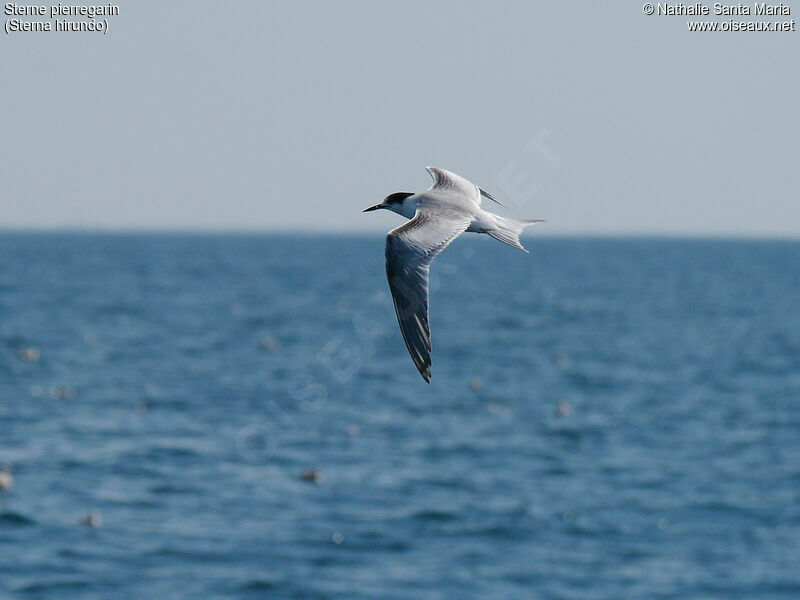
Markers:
point(410, 249)
point(486, 194)
point(447, 181)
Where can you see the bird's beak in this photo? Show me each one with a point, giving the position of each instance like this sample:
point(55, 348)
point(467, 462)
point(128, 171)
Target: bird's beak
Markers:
point(371, 208)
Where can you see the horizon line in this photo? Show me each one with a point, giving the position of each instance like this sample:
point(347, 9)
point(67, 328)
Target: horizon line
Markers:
point(301, 232)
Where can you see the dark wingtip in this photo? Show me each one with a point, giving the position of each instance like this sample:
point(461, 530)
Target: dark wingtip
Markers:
point(486, 194)
point(425, 371)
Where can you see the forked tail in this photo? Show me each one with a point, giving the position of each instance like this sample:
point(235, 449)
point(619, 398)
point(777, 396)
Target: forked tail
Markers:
point(509, 230)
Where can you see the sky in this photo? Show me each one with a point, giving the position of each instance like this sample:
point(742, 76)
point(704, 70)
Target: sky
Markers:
point(296, 115)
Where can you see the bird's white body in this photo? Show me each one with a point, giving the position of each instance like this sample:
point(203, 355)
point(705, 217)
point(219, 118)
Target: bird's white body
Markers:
point(436, 216)
point(482, 221)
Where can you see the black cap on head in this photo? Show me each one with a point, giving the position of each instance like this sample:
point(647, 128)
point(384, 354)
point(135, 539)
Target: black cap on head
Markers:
point(397, 197)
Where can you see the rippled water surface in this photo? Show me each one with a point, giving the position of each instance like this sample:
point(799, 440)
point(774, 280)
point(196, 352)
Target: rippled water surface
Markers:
point(607, 419)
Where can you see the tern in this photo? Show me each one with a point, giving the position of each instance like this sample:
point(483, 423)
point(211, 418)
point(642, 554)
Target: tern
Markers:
point(451, 206)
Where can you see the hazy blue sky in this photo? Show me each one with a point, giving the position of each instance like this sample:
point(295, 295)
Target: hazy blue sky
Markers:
point(296, 115)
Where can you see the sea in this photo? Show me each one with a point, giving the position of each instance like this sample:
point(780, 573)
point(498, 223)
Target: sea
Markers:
point(212, 416)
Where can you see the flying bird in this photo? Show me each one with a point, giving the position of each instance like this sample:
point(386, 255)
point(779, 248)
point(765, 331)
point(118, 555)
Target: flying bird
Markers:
point(451, 206)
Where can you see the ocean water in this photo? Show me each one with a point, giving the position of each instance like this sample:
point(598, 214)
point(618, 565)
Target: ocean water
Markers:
point(607, 419)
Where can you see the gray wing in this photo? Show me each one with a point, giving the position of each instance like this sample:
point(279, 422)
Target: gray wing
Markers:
point(486, 194)
point(445, 180)
point(410, 249)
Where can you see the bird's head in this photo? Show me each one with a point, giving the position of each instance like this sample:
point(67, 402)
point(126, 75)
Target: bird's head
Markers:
point(397, 202)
